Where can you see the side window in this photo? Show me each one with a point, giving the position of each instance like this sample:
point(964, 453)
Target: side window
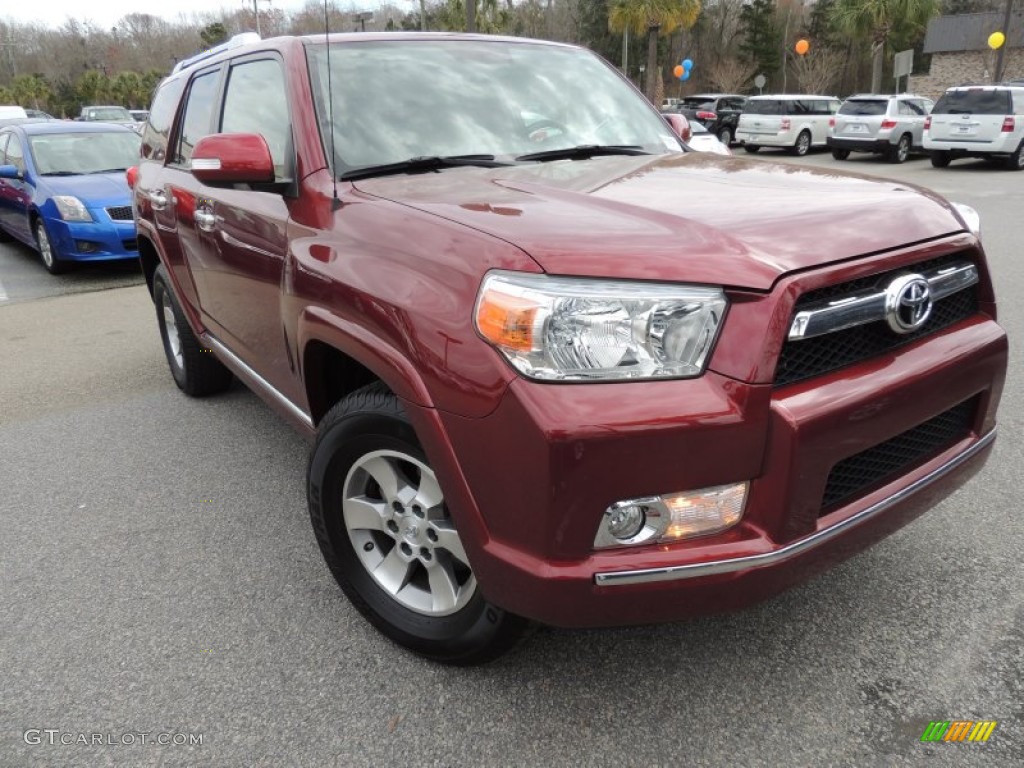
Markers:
point(15, 155)
point(161, 116)
point(198, 120)
point(3, 148)
point(256, 102)
point(911, 108)
point(926, 106)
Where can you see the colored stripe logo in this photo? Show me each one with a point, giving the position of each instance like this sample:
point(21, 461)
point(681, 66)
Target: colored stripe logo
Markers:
point(959, 730)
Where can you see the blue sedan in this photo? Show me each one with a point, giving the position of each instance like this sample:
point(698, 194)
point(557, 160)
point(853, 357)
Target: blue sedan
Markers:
point(63, 190)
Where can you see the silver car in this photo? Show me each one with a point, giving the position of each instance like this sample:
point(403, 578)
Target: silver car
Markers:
point(891, 126)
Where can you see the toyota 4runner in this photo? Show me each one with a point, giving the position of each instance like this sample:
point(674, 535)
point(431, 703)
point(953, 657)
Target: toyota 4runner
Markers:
point(556, 367)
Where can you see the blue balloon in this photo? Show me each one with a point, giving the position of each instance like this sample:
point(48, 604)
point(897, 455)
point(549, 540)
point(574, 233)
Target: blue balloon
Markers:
point(687, 65)
point(686, 75)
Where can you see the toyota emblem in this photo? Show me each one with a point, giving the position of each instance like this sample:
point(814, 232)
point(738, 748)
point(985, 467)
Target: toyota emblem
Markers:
point(908, 303)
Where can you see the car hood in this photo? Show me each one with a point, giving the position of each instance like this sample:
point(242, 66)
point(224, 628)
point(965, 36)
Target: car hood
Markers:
point(97, 188)
point(693, 217)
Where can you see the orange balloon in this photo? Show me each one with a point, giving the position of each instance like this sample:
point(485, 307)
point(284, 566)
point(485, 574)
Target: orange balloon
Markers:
point(678, 70)
point(802, 47)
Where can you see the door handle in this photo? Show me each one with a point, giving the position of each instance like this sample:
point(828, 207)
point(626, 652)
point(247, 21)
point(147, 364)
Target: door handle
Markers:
point(205, 220)
point(157, 198)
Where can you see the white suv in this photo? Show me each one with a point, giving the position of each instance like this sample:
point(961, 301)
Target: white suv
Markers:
point(977, 121)
point(891, 126)
point(794, 122)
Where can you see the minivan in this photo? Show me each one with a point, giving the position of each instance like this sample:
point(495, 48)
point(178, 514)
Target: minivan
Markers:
point(794, 122)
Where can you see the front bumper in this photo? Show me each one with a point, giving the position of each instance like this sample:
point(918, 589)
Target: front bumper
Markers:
point(93, 240)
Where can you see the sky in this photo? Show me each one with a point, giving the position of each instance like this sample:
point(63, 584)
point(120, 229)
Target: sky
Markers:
point(105, 13)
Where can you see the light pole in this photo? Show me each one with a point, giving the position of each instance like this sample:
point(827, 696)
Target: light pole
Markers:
point(256, 11)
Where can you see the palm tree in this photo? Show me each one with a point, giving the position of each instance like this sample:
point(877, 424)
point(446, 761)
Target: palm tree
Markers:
point(881, 20)
point(653, 17)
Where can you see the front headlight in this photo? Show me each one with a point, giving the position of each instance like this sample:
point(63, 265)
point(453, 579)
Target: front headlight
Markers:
point(970, 217)
point(583, 329)
point(71, 208)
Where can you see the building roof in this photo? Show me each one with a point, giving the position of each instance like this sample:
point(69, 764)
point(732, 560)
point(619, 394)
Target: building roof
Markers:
point(970, 31)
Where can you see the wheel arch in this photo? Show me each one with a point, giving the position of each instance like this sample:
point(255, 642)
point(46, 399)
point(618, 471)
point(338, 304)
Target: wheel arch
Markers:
point(149, 259)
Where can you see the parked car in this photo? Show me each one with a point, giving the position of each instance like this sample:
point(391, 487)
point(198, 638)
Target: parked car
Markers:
point(580, 376)
point(977, 121)
point(703, 140)
point(139, 115)
point(38, 114)
point(63, 190)
point(887, 125)
point(12, 112)
point(719, 113)
point(107, 114)
point(796, 123)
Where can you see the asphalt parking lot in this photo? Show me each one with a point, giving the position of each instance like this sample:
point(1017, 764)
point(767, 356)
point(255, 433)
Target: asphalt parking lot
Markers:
point(159, 576)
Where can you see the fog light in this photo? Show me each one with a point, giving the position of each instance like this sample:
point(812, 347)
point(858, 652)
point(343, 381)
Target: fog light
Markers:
point(626, 522)
point(672, 517)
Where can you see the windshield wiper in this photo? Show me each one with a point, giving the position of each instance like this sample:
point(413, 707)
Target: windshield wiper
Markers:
point(423, 164)
point(110, 170)
point(61, 173)
point(584, 151)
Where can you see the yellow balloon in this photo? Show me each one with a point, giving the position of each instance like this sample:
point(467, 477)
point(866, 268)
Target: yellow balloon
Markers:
point(996, 40)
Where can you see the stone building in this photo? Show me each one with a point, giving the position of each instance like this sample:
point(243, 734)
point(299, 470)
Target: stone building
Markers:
point(961, 55)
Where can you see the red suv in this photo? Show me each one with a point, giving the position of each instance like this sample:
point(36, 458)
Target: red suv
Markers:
point(558, 368)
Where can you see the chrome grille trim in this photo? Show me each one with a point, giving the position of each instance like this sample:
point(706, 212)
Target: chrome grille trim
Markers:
point(831, 315)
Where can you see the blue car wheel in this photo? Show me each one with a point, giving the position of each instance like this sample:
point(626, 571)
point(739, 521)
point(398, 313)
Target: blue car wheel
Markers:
point(53, 265)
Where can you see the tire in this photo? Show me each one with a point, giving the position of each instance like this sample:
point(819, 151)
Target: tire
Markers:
point(840, 154)
point(1015, 162)
point(725, 136)
point(751, 148)
point(901, 151)
point(195, 370)
point(384, 529)
point(940, 158)
point(49, 257)
point(802, 145)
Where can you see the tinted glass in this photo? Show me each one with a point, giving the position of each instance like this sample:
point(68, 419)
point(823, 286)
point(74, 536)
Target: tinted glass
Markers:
point(911, 108)
point(974, 102)
point(398, 100)
point(255, 102)
point(161, 116)
point(198, 115)
point(697, 103)
point(864, 107)
point(763, 107)
point(64, 154)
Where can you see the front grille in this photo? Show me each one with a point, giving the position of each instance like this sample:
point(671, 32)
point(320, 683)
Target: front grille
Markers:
point(869, 469)
point(802, 359)
point(130, 245)
point(120, 212)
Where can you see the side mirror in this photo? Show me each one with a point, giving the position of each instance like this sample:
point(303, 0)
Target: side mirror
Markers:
point(9, 172)
point(232, 158)
point(680, 125)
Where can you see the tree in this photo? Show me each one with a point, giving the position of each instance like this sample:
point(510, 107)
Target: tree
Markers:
point(762, 37)
point(653, 18)
point(818, 69)
point(30, 89)
point(878, 22)
point(213, 34)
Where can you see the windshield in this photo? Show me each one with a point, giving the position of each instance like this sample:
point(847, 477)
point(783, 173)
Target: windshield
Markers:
point(864, 107)
point(974, 102)
point(68, 154)
point(396, 100)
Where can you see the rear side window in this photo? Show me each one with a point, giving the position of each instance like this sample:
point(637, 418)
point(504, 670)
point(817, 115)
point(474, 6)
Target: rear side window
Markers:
point(974, 102)
point(161, 116)
point(863, 107)
point(15, 155)
point(764, 107)
point(698, 103)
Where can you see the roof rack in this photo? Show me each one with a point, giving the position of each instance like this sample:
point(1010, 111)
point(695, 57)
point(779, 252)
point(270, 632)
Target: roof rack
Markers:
point(242, 38)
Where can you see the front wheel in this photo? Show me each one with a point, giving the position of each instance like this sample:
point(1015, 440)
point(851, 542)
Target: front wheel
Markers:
point(195, 370)
point(380, 518)
point(803, 144)
point(940, 158)
point(840, 154)
point(46, 252)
